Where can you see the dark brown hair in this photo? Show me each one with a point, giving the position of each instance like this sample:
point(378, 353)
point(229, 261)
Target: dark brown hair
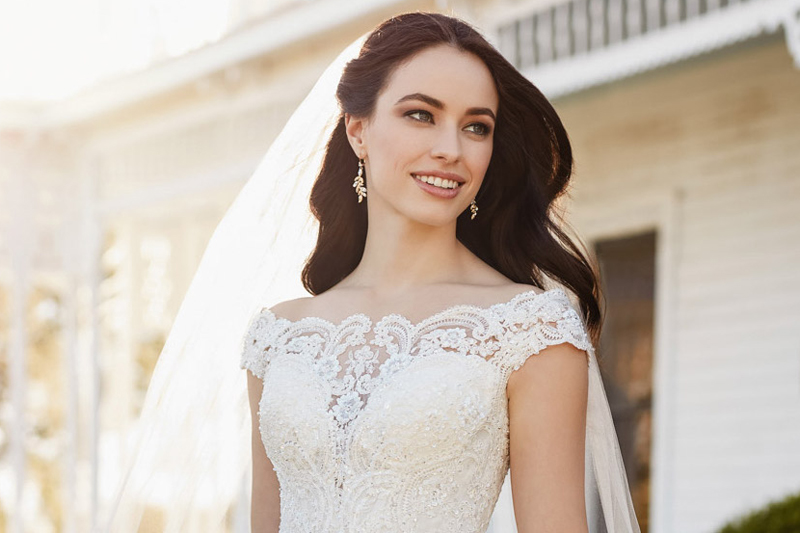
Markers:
point(518, 232)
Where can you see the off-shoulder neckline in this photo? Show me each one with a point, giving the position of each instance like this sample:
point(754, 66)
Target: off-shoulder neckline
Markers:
point(311, 319)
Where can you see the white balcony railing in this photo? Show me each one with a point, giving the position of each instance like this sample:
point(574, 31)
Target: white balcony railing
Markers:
point(579, 43)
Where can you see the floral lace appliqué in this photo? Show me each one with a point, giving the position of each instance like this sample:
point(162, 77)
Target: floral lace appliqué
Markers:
point(396, 426)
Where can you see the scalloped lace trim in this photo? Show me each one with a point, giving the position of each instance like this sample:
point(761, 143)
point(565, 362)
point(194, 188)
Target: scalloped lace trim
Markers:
point(342, 353)
point(396, 426)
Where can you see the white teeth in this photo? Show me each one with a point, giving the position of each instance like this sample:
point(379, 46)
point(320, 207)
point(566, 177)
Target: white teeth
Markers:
point(438, 182)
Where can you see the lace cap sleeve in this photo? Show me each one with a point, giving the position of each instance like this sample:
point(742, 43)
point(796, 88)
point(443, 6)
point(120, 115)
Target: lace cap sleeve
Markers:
point(257, 344)
point(544, 321)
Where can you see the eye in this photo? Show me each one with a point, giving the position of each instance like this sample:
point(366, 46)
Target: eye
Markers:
point(421, 112)
point(482, 130)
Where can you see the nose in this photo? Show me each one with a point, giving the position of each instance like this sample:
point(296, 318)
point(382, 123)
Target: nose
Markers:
point(447, 145)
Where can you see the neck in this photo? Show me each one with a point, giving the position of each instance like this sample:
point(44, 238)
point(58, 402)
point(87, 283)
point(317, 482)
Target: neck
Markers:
point(401, 254)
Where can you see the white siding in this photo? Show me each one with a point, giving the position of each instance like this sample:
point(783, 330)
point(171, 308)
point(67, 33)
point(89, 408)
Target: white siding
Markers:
point(720, 135)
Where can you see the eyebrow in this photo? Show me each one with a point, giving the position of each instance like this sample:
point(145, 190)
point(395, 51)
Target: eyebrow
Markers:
point(439, 105)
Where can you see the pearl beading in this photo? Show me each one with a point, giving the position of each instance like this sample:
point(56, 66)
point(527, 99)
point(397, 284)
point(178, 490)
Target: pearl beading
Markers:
point(406, 430)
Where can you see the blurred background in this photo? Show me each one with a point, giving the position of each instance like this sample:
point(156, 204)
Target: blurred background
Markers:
point(127, 127)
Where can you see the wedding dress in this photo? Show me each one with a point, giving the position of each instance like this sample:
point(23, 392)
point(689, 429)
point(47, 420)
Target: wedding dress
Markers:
point(398, 426)
point(370, 427)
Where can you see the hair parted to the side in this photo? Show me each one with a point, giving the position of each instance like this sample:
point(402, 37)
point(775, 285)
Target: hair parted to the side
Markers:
point(519, 231)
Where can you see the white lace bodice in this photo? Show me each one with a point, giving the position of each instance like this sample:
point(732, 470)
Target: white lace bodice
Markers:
point(396, 426)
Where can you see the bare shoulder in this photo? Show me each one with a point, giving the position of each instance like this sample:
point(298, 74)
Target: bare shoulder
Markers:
point(319, 305)
point(516, 288)
point(507, 291)
point(292, 309)
point(488, 285)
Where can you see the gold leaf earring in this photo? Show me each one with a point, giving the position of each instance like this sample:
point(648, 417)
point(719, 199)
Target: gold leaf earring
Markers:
point(474, 208)
point(358, 182)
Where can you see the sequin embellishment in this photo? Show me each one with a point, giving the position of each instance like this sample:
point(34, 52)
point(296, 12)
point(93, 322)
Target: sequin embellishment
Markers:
point(396, 426)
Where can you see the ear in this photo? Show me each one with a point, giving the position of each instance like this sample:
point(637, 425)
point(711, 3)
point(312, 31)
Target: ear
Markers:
point(356, 133)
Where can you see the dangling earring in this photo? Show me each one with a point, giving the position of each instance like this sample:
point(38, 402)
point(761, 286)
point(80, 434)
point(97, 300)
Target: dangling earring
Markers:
point(474, 208)
point(358, 182)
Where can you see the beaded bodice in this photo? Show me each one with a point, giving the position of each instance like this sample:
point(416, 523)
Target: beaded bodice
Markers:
point(396, 426)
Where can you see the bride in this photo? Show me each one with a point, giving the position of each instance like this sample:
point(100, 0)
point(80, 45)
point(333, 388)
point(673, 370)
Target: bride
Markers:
point(459, 159)
point(431, 358)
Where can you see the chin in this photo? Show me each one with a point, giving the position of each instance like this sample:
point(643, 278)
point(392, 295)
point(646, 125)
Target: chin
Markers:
point(436, 220)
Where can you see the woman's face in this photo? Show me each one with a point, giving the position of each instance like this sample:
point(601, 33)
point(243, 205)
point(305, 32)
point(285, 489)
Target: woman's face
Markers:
point(435, 117)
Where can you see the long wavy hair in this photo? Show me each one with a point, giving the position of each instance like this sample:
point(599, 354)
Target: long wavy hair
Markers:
point(519, 230)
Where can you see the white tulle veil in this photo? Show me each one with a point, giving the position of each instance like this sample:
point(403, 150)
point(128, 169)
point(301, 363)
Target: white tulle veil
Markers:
point(189, 469)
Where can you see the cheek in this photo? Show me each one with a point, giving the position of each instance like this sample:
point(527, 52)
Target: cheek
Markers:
point(482, 155)
point(395, 152)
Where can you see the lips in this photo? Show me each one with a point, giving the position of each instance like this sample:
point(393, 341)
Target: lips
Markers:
point(431, 180)
point(440, 174)
point(440, 192)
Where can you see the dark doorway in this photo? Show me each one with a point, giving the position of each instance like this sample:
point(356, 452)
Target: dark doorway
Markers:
point(625, 354)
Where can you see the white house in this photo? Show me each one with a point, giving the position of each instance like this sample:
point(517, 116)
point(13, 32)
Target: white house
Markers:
point(685, 121)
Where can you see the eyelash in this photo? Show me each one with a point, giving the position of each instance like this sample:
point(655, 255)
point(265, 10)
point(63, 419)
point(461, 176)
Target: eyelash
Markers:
point(484, 133)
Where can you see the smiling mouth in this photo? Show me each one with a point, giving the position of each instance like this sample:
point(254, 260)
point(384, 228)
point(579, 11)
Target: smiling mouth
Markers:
point(438, 182)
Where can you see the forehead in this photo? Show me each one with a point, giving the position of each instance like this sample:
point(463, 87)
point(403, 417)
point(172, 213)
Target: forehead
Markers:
point(457, 78)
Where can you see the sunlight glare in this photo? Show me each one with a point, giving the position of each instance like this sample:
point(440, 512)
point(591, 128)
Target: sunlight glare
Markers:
point(50, 49)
